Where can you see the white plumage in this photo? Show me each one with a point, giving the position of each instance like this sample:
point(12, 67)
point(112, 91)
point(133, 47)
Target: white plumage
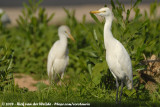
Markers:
point(117, 57)
point(58, 55)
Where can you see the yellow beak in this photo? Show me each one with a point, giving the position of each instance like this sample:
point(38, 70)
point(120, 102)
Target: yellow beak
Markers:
point(70, 36)
point(95, 12)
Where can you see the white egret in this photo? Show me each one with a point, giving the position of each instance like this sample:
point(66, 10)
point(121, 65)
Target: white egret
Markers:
point(117, 57)
point(58, 56)
point(4, 18)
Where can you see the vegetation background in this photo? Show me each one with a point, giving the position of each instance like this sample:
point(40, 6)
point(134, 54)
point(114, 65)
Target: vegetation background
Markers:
point(24, 49)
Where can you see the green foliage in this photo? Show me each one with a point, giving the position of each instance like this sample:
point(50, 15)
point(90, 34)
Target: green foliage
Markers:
point(156, 95)
point(6, 68)
point(33, 21)
point(6, 60)
point(153, 9)
point(32, 39)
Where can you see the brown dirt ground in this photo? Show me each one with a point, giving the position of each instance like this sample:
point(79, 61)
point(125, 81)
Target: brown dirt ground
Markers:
point(26, 81)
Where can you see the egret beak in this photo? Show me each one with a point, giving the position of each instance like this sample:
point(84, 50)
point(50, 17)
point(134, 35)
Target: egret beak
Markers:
point(94, 12)
point(70, 36)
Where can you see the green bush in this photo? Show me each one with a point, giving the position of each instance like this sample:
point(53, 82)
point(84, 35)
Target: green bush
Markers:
point(32, 39)
point(33, 21)
point(6, 60)
point(6, 68)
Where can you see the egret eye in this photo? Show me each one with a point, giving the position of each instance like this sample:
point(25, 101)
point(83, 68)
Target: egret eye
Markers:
point(65, 31)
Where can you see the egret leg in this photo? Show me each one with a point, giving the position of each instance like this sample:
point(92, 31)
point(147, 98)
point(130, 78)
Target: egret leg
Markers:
point(121, 91)
point(60, 82)
point(50, 78)
point(55, 78)
point(117, 85)
point(62, 75)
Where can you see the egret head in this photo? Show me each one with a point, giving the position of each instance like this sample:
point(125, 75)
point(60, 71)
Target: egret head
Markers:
point(64, 30)
point(104, 12)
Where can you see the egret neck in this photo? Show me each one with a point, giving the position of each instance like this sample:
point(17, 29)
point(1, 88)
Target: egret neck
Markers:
point(108, 37)
point(63, 42)
point(63, 39)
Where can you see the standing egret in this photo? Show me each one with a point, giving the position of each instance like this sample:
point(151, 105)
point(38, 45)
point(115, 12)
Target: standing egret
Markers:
point(58, 56)
point(117, 57)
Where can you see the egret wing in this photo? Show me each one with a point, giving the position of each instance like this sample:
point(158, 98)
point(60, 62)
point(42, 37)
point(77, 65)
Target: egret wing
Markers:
point(51, 58)
point(125, 61)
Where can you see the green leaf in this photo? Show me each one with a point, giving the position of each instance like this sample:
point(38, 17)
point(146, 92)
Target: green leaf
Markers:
point(67, 11)
point(95, 35)
point(96, 72)
point(128, 14)
point(100, 66)
point(84, 19)
point(34, 21)
point(95, 19)
point(51, 17)
point(89, 68)
point(89, 50)
point(112, 3)
point(137, 2)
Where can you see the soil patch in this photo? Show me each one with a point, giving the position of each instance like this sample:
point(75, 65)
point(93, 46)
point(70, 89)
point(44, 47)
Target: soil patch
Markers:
point(26, 81)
